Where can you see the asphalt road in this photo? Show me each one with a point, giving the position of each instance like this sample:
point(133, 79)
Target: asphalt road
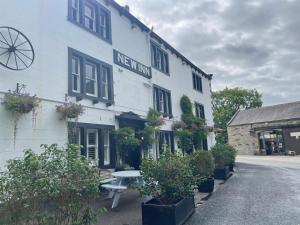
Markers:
point(262, 191)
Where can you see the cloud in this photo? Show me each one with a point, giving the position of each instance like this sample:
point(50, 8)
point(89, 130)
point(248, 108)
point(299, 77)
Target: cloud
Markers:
point(244, 43)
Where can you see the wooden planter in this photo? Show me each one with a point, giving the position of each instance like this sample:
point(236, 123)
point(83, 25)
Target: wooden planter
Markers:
point(207, 185)
point(221, 174)
point(154, 213)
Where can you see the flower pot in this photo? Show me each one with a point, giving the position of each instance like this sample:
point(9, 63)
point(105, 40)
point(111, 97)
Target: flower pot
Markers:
point(154, 213)
point(221, 174)
point(207, 185)
point(231, 167)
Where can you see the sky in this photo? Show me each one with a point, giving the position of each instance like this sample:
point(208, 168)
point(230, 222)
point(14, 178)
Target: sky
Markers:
point(243, 43)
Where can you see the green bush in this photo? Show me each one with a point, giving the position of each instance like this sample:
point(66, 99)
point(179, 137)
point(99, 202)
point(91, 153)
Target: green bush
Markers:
point(55, 187)
point(224, 155)
point(202, 165)
point(168, 179)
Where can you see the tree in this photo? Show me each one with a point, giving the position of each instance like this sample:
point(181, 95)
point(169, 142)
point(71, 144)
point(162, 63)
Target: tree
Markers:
point(227, 102)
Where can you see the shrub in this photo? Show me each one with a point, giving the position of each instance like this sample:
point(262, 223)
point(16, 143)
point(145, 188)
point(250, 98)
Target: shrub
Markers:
point(55, 187)
point(70, 110)
point(202, 165)
point(168, 179)
point(224, 155)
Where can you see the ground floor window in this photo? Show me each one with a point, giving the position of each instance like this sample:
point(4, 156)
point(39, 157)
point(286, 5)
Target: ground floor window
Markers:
point(95, 141)
point(164, 142)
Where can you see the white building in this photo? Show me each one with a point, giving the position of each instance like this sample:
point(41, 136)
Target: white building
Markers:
point(101, 56)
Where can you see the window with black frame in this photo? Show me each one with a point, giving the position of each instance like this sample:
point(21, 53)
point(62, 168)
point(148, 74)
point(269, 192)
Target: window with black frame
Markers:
point(197, 82)
point(92, 16)
point(164, 142)
point(162, 101)
point(90, 78)
point(159, 58)
point(95, 142)
point(199, 111)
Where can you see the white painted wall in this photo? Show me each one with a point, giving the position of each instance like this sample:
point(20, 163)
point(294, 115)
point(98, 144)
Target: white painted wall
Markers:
point(45, 23)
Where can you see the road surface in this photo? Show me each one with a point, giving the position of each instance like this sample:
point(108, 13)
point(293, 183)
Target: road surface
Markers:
point(263, 191)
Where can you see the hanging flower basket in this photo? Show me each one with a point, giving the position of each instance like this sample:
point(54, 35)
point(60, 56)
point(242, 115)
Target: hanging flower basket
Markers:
point(70, 110)
point(18, 103)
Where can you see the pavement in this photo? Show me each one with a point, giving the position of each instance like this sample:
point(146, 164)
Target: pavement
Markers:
point(264, 190)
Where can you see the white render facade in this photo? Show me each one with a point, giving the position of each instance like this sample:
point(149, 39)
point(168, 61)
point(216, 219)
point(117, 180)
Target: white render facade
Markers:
point(55, 35)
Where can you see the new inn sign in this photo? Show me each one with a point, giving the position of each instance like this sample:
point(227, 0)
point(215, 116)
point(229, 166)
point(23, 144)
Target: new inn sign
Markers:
point(131, 64)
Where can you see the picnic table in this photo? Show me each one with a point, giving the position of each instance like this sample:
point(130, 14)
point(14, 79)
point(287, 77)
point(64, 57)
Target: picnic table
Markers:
point(119, 183)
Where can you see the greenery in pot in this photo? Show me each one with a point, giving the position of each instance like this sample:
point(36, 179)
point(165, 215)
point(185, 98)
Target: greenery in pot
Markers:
point(224, 155)
point(168, 179)
point(70, 110)
point(55, 187)
point(202, 165)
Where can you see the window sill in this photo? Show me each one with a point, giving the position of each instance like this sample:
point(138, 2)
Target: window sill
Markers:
point(168, 74)
point(198, 90)
point(95, 100)
point(109, 40)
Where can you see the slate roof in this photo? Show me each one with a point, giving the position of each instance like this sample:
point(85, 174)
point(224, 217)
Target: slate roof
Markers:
point(280, 112)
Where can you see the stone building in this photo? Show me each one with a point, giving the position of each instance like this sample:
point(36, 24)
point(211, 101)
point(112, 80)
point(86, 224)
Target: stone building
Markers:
point(267, 130)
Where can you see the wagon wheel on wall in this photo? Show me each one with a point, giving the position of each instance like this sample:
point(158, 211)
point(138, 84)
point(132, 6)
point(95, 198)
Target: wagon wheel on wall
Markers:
point(16, 51)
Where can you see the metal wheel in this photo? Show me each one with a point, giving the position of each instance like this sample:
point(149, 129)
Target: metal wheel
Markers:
point(16, 51)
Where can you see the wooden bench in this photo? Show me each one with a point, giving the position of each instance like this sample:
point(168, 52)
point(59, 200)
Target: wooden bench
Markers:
point(114, 192)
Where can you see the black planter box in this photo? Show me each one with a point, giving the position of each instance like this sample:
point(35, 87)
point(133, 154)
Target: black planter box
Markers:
point(176, 214)
point(221, 174)
point(207, 185)
point(231, 167)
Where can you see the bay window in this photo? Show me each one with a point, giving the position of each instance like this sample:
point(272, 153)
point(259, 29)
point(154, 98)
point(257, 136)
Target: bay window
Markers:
point(90, 78)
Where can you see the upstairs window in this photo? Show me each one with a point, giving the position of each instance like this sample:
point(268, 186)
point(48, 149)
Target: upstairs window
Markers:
point(75, 16)
point(92, 16)
point(159, 58)
point(199, 111)
point(76, 74)
point(197, 82)
point(90, 78)
point(162, 101)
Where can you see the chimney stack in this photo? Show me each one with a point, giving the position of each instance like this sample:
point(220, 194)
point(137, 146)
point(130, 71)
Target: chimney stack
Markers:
point(127, 8)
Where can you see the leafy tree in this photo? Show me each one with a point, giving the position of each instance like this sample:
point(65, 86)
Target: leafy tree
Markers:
point(227, 102)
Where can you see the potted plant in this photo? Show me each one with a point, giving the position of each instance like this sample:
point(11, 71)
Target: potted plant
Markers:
point(201, 163)
point(70, 110)
point(232, 155)
point(169, 181)
point(222, 161)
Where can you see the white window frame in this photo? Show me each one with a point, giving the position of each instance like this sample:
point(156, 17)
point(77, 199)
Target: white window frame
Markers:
point(76, 75)
point(104, 85)
point(91, 18)
point(106, 148)
point(94, 80)
point(96, 145)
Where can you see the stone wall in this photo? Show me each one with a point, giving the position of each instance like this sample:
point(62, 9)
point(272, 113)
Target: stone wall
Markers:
point(239, 137)
point(245, 137)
